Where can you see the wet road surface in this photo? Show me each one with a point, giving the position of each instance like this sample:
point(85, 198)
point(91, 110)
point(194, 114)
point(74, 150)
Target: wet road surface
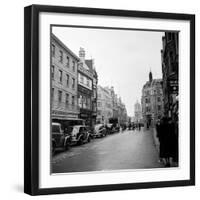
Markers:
point(124, 150)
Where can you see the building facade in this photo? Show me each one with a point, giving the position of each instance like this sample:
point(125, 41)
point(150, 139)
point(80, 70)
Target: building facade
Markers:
point(122, 112)
point(90, 64)
point(152, 101)
point(85, 89)
point(110, 106)
point(137, 113)
point(123, 117)
point(104, 105)
point(64, 62)
point(169, 56)
point(114, 103)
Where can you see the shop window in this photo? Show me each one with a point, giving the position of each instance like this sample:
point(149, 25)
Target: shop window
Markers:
point(88, 82)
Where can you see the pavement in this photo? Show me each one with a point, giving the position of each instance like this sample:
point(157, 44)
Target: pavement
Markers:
point(125, 150)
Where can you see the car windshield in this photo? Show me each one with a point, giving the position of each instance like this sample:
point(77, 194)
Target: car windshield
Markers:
point(75, 130)
point(109, 125)
point(55, 128)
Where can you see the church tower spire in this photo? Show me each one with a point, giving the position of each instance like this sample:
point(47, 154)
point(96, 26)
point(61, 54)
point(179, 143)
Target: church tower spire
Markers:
point(150, 76)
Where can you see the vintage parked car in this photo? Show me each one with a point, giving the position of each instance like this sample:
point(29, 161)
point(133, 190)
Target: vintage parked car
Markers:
point(99, 131)
point(80, 134)
point(112, 128)
point(60, 140)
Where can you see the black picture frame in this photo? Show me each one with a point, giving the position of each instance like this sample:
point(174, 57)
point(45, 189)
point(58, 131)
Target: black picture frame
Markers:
point(31, 98)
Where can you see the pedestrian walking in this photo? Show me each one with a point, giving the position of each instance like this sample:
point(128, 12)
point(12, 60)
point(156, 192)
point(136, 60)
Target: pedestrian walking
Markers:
point(133, 126)
point(129, 126)
point(139, 126)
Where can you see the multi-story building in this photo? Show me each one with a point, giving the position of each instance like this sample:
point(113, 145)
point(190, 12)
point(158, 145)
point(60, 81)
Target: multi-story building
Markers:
point(152, 101)
point(137, 113)
point(122, 113)
point(114, 103)
point(85, 89)
point(124, 117)
point(90, 64)
point(63, 81)
point(110, 106)
point(169, 55)
point(104, 105)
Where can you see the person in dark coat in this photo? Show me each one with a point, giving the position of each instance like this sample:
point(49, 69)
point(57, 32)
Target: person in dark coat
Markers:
point(167, 141)
point(139, 126)
point(173, 140)
point(159, 127)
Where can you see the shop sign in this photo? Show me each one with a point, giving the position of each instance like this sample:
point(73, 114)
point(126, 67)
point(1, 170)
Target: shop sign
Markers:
point(173, 84)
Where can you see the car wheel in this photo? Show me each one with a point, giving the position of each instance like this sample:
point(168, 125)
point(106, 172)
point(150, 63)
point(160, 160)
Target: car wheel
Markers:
point(67, 145)
point(80, 141)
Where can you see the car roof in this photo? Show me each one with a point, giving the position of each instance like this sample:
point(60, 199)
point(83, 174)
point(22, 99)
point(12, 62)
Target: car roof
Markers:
point(56, 123)
point(99, 125)
point(78, 126)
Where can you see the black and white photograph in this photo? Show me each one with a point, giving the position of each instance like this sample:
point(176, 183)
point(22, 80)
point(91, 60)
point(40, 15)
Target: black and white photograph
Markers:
point(109, 100)
point(114, 95)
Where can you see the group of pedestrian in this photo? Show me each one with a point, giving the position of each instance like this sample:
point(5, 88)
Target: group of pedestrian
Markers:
point(168, 139)
point(134, 126)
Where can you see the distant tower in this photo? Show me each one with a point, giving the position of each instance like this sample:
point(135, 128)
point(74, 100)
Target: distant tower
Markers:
point(138, 112)
point(82, 54)
point(150, 77)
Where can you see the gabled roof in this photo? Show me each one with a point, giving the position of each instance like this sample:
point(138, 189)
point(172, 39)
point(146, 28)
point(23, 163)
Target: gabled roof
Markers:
point(152, 83)
point(89, 63)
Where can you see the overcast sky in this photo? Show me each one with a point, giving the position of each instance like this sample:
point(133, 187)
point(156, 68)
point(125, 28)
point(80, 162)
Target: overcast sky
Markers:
point(123, 58)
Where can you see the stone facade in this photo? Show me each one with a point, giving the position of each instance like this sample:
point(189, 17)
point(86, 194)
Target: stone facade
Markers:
point(114, 103)
point(90, 64)
point(137, 113)
point(110, 106)
point(87, 80)
point(63, 81)
point(104, 105)
point(169, 55)
point(152, 101)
